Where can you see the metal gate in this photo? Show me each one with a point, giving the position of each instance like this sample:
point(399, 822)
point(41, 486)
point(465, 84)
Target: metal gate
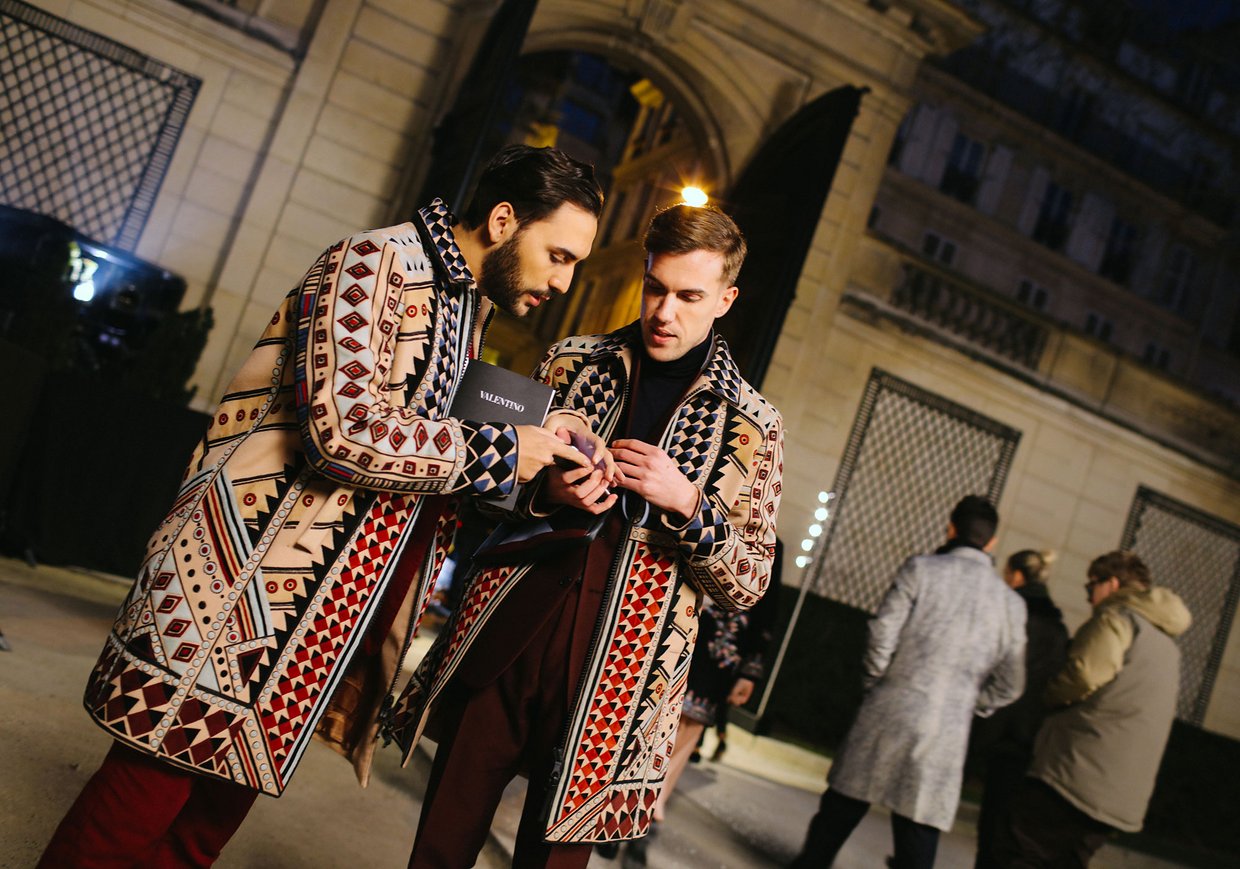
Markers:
point(911, 456)
point(1197, 556)
point(87, 126)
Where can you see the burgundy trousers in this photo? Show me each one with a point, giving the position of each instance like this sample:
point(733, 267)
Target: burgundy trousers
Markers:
point(138, 811)
point(505, 712)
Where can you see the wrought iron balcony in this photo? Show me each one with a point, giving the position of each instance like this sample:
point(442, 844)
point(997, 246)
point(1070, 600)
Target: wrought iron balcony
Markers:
point(893, 286)
point(977, 315)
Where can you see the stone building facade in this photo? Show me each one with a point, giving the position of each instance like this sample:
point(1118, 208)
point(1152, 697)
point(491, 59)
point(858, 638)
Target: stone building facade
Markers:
point(314, 117)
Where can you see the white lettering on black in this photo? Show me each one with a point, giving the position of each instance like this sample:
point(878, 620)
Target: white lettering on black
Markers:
point(501, 401)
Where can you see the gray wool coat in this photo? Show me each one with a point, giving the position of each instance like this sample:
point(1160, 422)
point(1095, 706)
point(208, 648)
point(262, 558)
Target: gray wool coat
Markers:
point(948, 642)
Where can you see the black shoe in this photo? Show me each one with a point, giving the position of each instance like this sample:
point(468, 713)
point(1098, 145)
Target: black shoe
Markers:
point(635, 855)
point(607, 850)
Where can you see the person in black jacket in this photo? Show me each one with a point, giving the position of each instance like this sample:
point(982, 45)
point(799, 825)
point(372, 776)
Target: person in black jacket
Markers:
point(1003, 743)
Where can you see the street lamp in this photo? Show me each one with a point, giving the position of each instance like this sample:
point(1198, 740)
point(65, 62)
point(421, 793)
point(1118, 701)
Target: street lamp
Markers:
point(694, 196)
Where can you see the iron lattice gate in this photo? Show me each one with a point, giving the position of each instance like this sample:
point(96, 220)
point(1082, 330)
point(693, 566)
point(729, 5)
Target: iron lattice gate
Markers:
point(87, 126)
point(1198, 557)
point(910, 457)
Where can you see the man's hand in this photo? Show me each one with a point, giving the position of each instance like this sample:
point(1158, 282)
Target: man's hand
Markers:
point(651, 473)
point(741, 692)
point(537, 448)
point(581, 488)
point(567, 422)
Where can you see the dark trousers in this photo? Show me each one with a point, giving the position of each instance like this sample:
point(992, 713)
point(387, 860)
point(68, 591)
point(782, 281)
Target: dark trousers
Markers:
point(1048, 831)
point(137, 810)
point(491, 733)
point(838, 816)
point(1004, 776)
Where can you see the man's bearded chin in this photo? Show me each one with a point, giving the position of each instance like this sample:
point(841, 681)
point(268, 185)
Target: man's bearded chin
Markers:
point(500, 279)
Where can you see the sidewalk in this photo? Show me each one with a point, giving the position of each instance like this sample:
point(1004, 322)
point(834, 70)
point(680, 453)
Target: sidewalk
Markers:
point(751, 810)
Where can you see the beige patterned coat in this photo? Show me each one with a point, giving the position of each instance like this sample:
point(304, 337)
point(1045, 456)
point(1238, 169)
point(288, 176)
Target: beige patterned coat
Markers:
point(729, 442)
point(259, 584)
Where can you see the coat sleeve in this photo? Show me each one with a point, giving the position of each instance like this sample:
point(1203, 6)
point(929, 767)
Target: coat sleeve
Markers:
point(729, 555)
point(1006, 681)
point(355, 425)
point(888, 623)
point(1095, 657)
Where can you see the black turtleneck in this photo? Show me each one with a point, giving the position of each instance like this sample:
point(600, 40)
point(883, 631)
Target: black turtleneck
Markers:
point(658, 388)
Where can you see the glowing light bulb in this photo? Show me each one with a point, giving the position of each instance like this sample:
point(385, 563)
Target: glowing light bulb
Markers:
point(807, 544)
point(820, 514)
point(824, 497)
point(802, 560)
point(815, 530)
point(694, 196)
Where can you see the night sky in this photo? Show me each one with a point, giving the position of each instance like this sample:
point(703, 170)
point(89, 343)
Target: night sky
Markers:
point(1191, 14)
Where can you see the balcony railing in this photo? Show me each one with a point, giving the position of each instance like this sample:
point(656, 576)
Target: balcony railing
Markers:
point(975, 315)
point(892, 283)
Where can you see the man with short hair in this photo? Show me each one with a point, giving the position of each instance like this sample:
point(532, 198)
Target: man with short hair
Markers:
point(309, 514)
point(1097, 754)
point(569, 664)
point(948, 642)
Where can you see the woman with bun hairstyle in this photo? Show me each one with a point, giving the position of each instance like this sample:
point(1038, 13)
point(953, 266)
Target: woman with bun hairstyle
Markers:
point(1002, 745)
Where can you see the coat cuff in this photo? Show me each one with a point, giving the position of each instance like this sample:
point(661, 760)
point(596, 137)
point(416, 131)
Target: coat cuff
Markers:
point(705, 531)
point(490, 458)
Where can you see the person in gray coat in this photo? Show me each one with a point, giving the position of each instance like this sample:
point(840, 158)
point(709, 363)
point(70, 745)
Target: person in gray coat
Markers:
point(948, 642)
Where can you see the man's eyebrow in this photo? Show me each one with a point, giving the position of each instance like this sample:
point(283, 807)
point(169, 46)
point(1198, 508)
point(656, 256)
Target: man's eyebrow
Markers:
point(651, 279)
point(566, 253)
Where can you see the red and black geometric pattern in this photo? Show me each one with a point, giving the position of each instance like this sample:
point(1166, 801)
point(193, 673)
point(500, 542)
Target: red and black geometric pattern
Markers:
point(296, 505)
point(728, 440)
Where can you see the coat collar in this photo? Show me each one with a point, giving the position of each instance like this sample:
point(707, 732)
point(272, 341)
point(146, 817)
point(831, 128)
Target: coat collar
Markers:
point(438, 221)
point(972, 554)
point(720, 374)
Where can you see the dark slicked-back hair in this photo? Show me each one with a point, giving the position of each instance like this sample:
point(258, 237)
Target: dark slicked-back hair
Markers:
point(536, 181)
point(1124, 566)
point(975, 520)
point(684, 228)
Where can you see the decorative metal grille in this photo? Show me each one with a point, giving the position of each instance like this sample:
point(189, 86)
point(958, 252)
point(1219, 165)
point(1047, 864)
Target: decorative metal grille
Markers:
point(1197, 556)
point(911, 456)
point(87, 126)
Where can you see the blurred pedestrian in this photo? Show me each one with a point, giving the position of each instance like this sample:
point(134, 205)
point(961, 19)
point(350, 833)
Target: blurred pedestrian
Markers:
point(1096, 757)
point(1003, 743)
point(948, 642)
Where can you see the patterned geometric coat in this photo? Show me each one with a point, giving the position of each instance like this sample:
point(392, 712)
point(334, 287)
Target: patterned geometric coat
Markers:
point(259, 584)
point(948, 641)
point(729, 442)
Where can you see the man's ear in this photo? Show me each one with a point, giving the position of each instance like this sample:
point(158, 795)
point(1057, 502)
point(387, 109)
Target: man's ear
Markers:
point(501, 223)
point(952, 533)
point(725, 301)
point(990, 547)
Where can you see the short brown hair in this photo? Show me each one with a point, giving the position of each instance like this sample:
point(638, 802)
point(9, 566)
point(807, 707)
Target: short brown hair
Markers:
point(682, 229)
point(1124, 566)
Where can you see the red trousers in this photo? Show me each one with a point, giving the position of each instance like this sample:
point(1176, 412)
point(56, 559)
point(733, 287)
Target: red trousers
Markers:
point(138, 811)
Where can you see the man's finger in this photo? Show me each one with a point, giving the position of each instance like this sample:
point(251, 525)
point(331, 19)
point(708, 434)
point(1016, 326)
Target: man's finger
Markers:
point(577, 475)
point(635, 445)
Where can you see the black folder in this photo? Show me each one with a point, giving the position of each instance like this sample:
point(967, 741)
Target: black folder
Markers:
point(488, 393)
